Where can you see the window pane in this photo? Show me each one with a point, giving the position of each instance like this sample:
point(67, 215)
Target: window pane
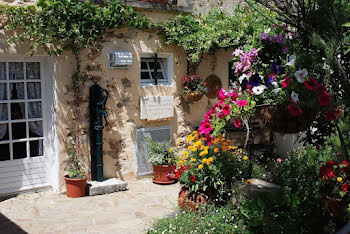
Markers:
point(145, 76)
point(144, 65)
point(3, 112)
point(3, 92)
point(17, 91)
point(2, 71)
point(33, 70)
point(34, 90)
point(4, 152)
point(159, 75)
point(36, 129)
point(16, 71)
point(4, 132)
point(19, 150)
point(34, 110)
point(17, 111)
point(36, 148)
point(18, 130)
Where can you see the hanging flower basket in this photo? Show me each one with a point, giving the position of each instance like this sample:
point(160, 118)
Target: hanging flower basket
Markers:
point(279, 119)
point(192, 96)
point(335, 207)
point(191, 201)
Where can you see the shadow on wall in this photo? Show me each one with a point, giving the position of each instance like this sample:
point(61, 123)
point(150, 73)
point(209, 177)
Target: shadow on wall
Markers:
point(7, 226)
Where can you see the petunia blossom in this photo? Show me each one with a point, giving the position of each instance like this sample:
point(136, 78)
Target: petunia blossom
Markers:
point(295, 110)
point(255, 80)
point(333, 115)
point(324, 99)
point(205, 128)
point(286, 82)
point(311, 84)
point(259, 89)
point(237, 52)
point(237, 123)
point(226, 110)
point(295, 97)
point(300, 75)
point(242, 103)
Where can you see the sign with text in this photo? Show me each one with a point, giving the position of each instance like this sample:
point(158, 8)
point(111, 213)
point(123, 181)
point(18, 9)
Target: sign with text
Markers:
point(158, 107)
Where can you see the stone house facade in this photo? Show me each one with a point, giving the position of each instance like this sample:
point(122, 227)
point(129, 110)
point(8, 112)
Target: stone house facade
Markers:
point(36, 99)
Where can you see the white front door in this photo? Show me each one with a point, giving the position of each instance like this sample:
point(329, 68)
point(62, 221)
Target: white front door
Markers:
point(23, 163)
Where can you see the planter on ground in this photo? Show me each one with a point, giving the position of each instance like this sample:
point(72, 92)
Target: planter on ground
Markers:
point(75, 187)
point(161, 174)
point(335, 207)
point(191, 201)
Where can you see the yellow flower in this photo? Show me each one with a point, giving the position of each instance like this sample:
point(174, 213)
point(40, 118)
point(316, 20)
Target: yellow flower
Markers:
point(208, 162)
point(233, 147)
point(194, 132)
point(249, 181)
point(193, 159)
point(181, 162)
point(185, 152)
point(245, 158)
point(203, 153)
point(216, 150)
point(206, 148)
point(339, 179)
point(200, 167)
point(171, 150)
point(190, 148)
point(185, 161)
point(198, 144)
point(179, 142)
point(211, 159)
point(186, 156)
point(169, 160)
point(204, 160)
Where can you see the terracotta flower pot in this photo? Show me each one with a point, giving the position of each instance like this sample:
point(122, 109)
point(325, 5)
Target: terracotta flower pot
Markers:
point(191, 201)
point(75, 187)
point(335, 207)
point(192, 97)
point(278, 119)
point(161, 174)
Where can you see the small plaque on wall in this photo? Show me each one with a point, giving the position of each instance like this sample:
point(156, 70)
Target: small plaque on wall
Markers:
point(157, 107)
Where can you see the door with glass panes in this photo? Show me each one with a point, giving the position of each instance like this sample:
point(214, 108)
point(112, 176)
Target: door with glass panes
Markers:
point(22, 159)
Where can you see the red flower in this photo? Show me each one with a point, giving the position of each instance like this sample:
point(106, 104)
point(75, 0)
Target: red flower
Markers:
point(286, 82)
point(295, 110)
point(233, 96)
point(320, 89)
point(345, 163)
point(333, 115)
point(311, 84)
point(193, 178)
point(345, 187)
point(237, 123)
point(324, 99)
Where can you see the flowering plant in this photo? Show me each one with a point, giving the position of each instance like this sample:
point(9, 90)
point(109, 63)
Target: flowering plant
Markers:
point(160, 153)
point(193, 84)
point(336, 180)
point(212, 169)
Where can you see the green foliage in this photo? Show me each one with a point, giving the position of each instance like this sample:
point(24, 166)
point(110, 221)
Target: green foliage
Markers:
point(159, 153)
point(74, 165)
point(208, 220)
point(205, 33)
point(57, 25)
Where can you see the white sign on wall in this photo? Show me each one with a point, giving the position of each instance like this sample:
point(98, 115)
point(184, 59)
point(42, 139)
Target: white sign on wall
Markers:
point(158, 107)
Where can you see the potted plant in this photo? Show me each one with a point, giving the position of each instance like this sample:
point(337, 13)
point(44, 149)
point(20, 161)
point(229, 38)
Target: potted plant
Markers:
point(335, 179)
point(208, 172)
point(161, 156)
point(76, 179)
point(193, 88)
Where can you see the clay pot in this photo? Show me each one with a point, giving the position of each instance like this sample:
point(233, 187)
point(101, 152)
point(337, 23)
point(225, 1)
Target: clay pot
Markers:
point(278, 119)
point(156, 1)
point(192, 97)
point(75, 187)
point(335, 207)
point(191, 202)
point(161, 172)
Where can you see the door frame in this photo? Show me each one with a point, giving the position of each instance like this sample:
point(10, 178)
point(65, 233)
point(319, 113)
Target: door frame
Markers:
point(48, 72)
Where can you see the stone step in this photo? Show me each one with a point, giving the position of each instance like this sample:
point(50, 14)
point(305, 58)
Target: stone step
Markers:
point(105, 187)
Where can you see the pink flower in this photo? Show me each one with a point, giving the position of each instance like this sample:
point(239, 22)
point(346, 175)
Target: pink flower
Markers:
point(237, 123)
point(237, 52)
point(208, 139)
point(205, 128)
point(242, 103)
point(324, 99)
point(222, 94)
point(226, 110)
point(279, 160)
point(311, 84)
point(286, 82)
point(233, 96)
point(295, 110)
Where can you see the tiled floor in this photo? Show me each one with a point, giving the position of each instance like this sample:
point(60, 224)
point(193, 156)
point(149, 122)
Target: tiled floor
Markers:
point(131, 211)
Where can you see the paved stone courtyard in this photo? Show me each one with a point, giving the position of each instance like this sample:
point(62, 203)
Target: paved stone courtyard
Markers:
point(130, 211)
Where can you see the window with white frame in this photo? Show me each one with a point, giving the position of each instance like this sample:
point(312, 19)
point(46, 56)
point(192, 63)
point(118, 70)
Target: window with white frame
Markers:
point(21, 121)
point(156, 70)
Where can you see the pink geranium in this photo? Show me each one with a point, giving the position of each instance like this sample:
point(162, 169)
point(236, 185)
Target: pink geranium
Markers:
point(242, 103)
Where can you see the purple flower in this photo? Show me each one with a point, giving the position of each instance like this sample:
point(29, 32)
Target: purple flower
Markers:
point(255, 80)
point(244, 84)
point(278, 39)
point(284, 26)
point(265, 36)
point(268, 81)
point(277, 68)
point(285, 49)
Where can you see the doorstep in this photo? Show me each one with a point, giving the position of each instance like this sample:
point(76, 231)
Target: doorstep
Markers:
point(105, 187)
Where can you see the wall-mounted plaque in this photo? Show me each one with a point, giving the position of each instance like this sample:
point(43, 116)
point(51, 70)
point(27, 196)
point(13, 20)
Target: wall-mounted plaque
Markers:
point(158, 107)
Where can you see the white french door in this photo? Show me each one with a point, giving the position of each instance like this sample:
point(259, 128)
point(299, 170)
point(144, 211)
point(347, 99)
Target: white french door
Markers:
point(23, 163)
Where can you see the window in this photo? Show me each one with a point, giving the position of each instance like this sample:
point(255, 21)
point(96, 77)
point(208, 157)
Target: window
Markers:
point(21, 129)
point(164, 69)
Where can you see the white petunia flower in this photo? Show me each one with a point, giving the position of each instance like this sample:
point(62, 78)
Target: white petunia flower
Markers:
point(241, 78)
point(259, 89)
point(295, 97)
point(291, 62)
point(300, 75)
point(276, 90)
point(274, 84)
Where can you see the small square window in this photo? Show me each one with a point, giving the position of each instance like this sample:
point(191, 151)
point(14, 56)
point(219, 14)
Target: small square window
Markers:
point(148, 75)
